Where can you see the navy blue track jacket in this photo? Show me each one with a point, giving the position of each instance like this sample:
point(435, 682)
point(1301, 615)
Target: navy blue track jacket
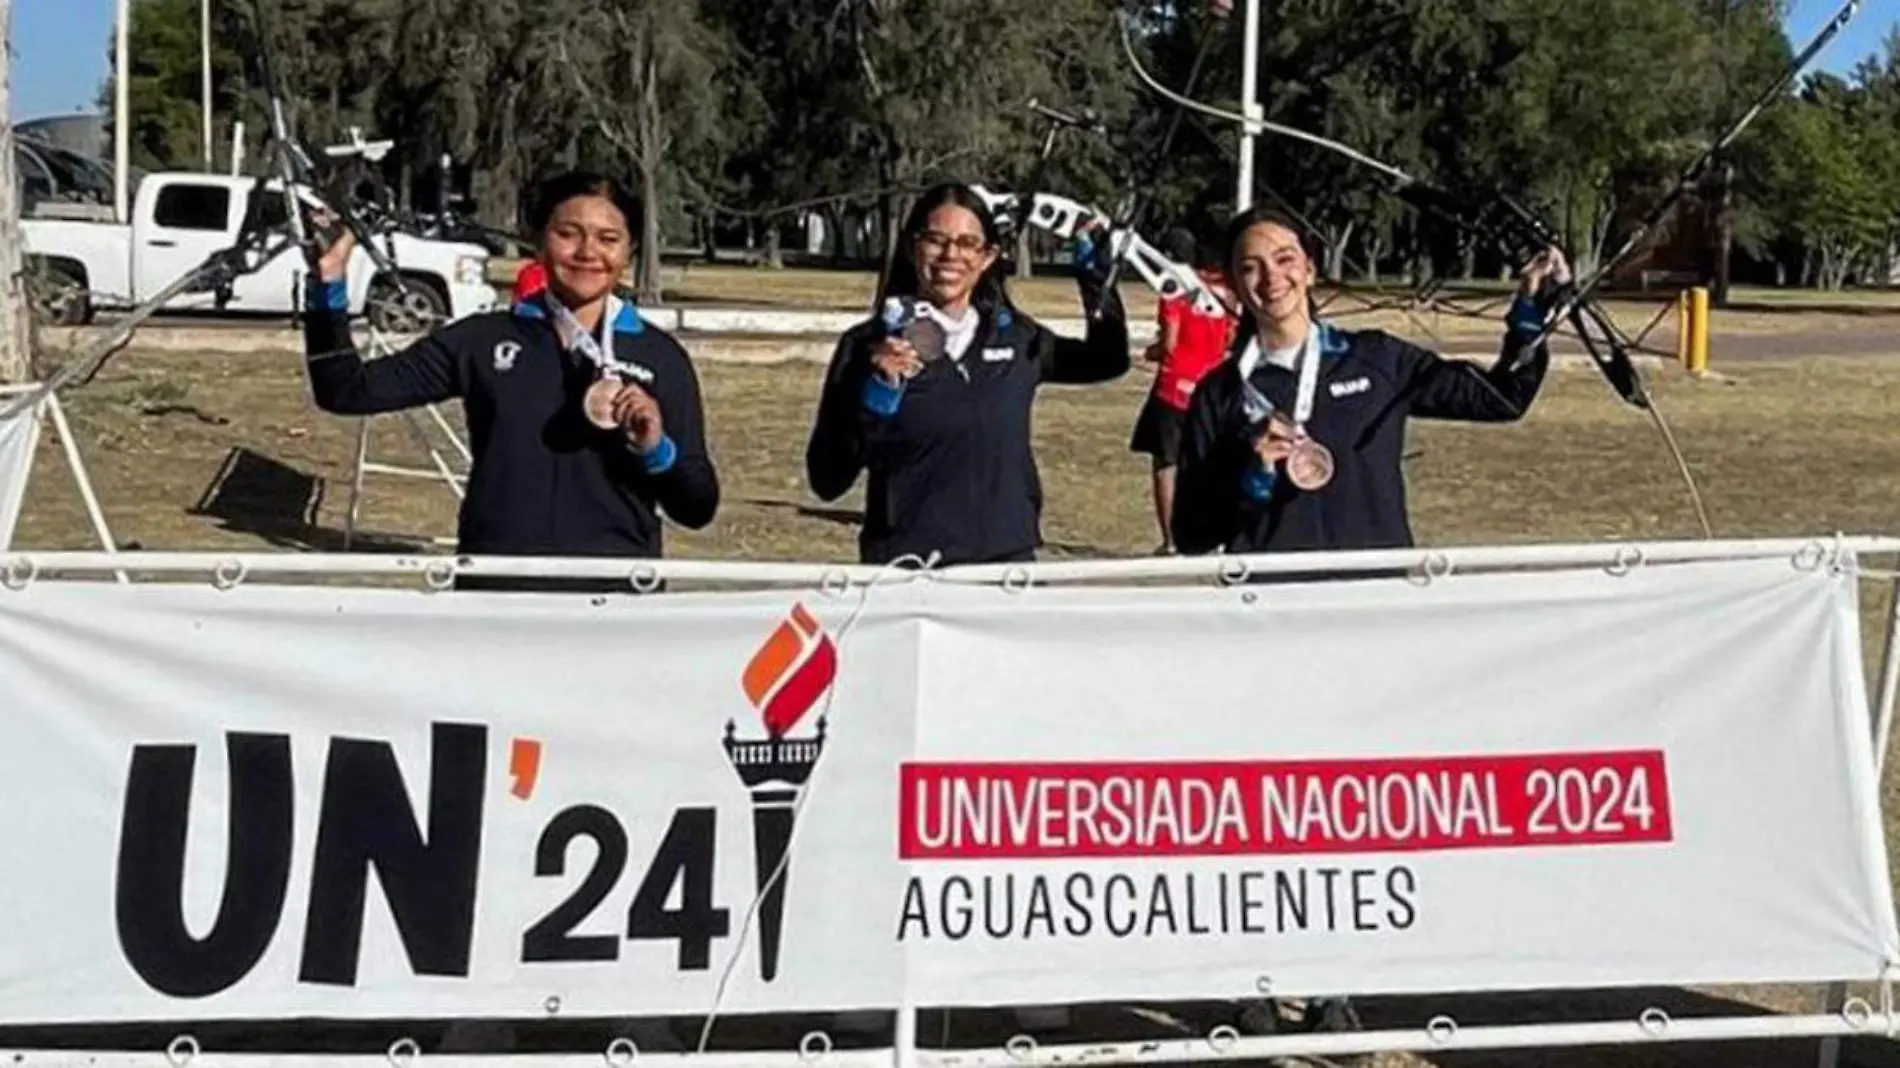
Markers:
point(950, 463)
point(1370, 383)
point(544, 481)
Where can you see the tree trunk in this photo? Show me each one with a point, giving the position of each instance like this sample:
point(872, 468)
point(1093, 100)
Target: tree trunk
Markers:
point(653, 147)
point(1724, 235)
point(13, 308)
point(648, 275)
point(834, 216)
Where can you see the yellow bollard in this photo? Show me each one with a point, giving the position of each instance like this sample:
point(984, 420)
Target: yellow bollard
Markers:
point(1699, 330)
point(1682, 328)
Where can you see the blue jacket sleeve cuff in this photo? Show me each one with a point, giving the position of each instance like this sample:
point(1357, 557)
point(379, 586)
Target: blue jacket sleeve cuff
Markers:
point(661, 459)
point(1258, 482)
point(1525, 317)
point(320, 295)
point(881, 397)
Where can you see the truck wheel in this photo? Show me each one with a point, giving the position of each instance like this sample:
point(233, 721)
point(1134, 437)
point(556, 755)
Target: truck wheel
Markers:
point(423, 308)
point(58, 295)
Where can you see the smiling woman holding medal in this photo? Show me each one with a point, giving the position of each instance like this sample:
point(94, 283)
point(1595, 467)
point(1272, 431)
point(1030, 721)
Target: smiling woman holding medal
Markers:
point(933, 397)
point(1295, 443)
point(584, 421)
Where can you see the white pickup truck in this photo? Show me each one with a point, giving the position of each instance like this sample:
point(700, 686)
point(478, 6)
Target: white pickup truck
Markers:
point(178, 219)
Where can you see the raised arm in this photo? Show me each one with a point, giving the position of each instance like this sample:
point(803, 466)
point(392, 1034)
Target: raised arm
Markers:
point(1438, 388)
point(1441, 388)
point(1102, 353)
point(426, 372)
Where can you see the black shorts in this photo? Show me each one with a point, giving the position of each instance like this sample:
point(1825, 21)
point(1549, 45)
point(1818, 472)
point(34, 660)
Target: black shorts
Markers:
point(1158, 432)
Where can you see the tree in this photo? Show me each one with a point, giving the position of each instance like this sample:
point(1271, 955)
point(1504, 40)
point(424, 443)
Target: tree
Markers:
point(166, 92)
point(644, 73)
point(14, 320)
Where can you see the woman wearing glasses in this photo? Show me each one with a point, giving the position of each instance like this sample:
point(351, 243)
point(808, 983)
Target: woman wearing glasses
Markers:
point(933, 397)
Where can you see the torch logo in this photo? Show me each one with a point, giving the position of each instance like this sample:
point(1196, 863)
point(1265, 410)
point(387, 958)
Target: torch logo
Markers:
point(784, 680)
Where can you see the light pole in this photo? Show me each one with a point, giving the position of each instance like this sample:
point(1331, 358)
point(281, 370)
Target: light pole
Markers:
point(1249, 104)
point(121, 110)
point(204, 45)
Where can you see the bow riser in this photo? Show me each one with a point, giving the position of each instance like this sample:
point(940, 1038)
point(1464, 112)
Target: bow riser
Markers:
point(1065, 219)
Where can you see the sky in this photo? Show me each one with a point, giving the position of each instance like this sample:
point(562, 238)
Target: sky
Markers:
point(59, 47)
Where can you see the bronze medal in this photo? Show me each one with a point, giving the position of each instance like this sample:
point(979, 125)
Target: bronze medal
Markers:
point(1310, 465)
point(925, 335)
point(599, 402)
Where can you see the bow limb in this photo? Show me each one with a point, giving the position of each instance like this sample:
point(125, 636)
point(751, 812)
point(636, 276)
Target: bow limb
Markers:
point(1256, 126)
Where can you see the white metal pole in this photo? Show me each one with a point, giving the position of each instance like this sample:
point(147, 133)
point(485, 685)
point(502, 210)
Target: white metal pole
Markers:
point(1249, 105)
point(204, 46)
point(121, 108)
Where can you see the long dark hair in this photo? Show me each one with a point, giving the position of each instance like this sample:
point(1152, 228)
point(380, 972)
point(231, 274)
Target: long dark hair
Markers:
point(1236, 229)
point(990, 294)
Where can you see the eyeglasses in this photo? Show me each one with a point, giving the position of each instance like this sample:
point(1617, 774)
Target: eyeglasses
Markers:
point(935, 242)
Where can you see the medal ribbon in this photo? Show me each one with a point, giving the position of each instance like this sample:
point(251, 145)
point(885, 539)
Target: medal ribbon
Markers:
point(1309, 380)
point(592, 348)
point(1255, 403)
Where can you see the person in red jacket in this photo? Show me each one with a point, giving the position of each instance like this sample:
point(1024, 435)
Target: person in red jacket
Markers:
point(1191, 343)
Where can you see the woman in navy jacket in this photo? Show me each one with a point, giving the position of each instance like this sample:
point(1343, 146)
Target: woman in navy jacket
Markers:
point(585, 421)
point(1296, 441)
point(932, 399)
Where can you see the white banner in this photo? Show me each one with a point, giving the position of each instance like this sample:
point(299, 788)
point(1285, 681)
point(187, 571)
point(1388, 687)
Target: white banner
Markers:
point(19, 437)
point(291, 802)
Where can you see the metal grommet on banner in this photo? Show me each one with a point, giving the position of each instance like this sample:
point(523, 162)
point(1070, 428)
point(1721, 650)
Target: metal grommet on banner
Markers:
point(552, 1005)
point(1810, 557)
point(228, 574)
point(1015, 579)
point(1653, 1021)
point(1221, 1039)
point(1249, 598)
point(181, 1050)
point(1441, 1029)
point(1264, 986)
point(1628, 558)
point(403, 1052)
point(816, 1045)
point(19, 572)
point(1021, 1047)
point(440, 574)
point(1234, 571)
point(622, 1052)
point(834, 582)
point(1857, 1013)
point(644, 579)
point(1433, 567)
